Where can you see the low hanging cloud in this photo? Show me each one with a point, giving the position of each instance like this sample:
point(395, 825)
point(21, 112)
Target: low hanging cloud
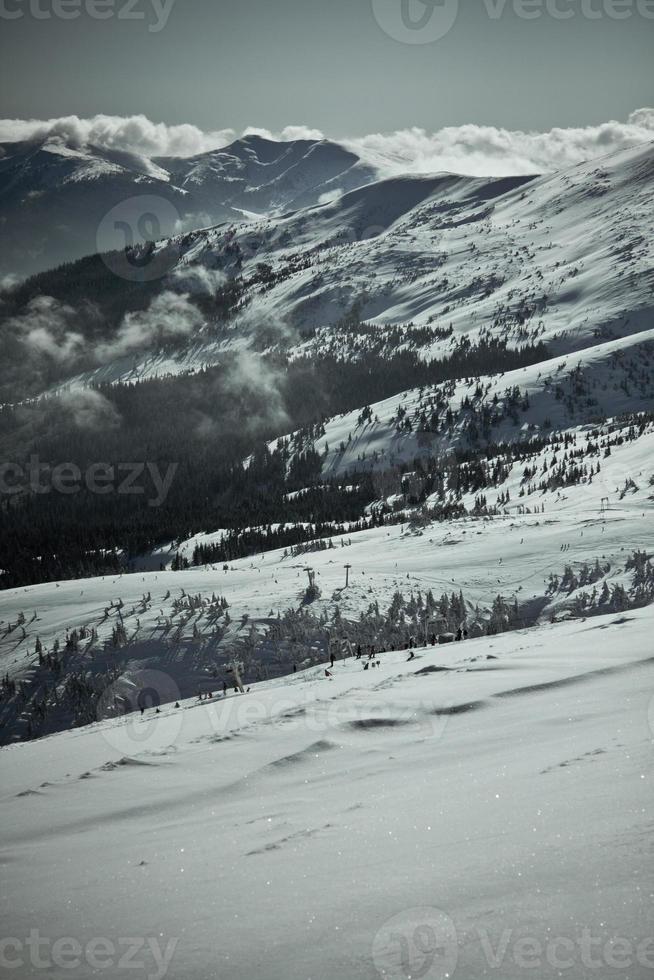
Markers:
point(468, 149)
point(44, 329)
point(488, 151)
point(129, 134)
point(256, 384)
point(88, 408)
point(287, 134)
point(170, 316)
point(198, 280)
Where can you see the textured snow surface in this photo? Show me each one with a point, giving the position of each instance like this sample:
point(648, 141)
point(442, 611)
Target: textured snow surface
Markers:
point(315, 828)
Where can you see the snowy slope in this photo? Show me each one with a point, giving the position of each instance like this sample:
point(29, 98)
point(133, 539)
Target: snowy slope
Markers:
point(607, 379)
point(434, 814)
point(172, 623)
point(562, 257)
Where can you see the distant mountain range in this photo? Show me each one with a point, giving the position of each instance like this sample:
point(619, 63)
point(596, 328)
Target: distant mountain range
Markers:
point(55, 197)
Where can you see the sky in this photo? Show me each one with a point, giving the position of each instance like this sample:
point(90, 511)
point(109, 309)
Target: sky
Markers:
point(346, 67)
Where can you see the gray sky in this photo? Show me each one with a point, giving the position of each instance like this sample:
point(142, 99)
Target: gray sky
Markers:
point(332, 64)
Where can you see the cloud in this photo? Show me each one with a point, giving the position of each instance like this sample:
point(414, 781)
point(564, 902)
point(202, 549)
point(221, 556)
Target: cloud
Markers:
point(255, 383)
point(468, 149)
point(8, 281)
point(44, 328)
point(169, 316)
point(198, 280)
point(287, 134)
point(488, 151)
point(329, 197)
point(130, 134)
point(88, 408)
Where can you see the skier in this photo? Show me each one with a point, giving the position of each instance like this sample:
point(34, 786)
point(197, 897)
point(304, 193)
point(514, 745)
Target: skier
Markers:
point(411, 656)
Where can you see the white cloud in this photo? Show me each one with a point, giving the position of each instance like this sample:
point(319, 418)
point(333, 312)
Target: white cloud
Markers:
point(169, 315)
point(90, 409)
point(488, 151)
point(258, 385)
point(45, 329)
point(330, 196)
point(467, 149)
point(131, 134)
point(286, 134)
point(198, 280)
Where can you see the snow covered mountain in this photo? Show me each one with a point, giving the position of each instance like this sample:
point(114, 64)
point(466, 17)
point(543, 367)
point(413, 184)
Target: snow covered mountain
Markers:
point(413, 416)
point(54, 196)
point(565, 260)
point(414, 350)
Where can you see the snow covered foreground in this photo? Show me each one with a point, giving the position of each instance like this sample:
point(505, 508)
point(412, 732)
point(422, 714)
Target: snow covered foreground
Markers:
point(484, 810)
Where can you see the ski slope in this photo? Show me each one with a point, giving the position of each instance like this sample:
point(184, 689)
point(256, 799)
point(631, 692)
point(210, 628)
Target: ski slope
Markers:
point(603, 518)
point(417, 819)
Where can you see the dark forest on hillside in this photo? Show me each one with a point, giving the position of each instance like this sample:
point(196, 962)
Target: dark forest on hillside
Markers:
point(205, 425)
